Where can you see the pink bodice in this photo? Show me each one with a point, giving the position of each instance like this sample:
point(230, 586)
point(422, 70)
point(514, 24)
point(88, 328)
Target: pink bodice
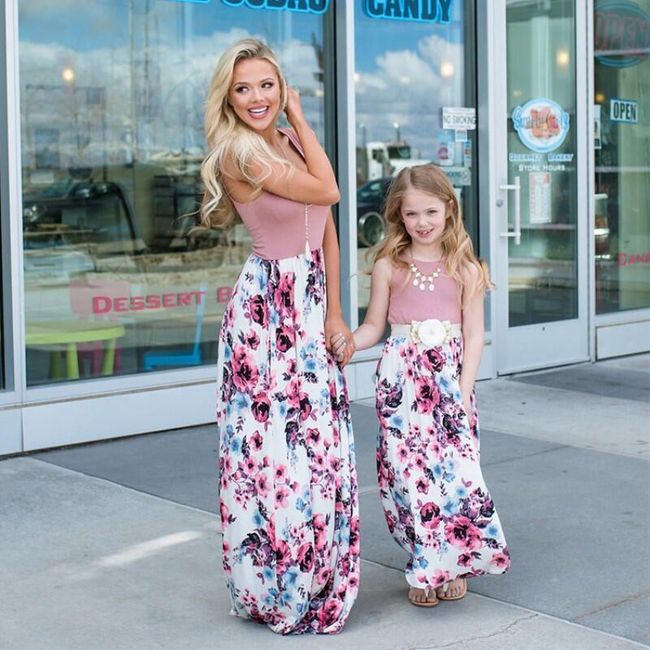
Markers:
point(277, 225)
point(408, 302)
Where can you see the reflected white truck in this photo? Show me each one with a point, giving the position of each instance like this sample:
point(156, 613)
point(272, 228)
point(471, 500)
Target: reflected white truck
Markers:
point(380, 159)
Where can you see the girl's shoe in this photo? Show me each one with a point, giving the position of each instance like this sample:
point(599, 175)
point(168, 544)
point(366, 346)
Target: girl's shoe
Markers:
point(430, 598)
point(442, 591)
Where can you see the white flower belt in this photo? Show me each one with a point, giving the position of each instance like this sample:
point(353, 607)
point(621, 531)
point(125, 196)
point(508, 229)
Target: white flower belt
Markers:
point(431, 332)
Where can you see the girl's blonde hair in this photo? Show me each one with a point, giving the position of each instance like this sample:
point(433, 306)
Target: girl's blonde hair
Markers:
point(230, 139)
point(457, 248)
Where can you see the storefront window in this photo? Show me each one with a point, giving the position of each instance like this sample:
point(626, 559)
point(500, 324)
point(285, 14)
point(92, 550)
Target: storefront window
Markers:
point(622, 154)
point(112, 98)
point(2, 339)
point(416, 102)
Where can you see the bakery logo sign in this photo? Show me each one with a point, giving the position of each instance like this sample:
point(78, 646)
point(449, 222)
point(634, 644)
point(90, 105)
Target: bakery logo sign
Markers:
point(305, 6)
point(541, 124)
point(621, 33)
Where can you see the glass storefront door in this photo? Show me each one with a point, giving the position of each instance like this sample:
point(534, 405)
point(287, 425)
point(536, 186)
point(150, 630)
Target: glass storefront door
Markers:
point(622, 155)
point(541, 309)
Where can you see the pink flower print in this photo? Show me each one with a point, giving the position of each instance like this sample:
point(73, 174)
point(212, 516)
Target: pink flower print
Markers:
point(464, 560)
point(427, 395)
point(313, 436)
point(322, 575)
point(250, 465)
point(330, 611)
point(461, 532)
point(501, 560)
point(256, 441)
point(320, 531)
point(262, 484)
point(282, 555)
point(281, 494)
point(430, 515)
point(355, 547)
point(293, 392)
point(420, 462)
point(283, 294)
point(284, 338)
point(259, 310)
point(261, 407)
point(279, 473)
point(244, 371)
point(440, 577)
point(225, 514)
point(305, 406)
point(402, 453)
point(433, 359)
point(306, 557)
point(319, 460)
point(391, 520)
point(252, 340)
point(422, 485)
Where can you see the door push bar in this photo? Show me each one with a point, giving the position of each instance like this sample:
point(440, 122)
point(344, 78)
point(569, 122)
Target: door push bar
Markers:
point(516, 188)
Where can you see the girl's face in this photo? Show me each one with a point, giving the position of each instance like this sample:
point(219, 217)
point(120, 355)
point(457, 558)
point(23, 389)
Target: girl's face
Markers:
point(255, 93)
point(424, 216)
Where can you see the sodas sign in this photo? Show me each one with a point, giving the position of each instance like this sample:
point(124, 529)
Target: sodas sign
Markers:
point(541, 124)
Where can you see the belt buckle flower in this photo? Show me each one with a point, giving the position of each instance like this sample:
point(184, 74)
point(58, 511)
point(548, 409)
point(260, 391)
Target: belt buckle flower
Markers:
point(431, 332)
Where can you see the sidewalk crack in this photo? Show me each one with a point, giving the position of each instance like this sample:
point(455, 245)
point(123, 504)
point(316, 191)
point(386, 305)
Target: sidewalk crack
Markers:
point(479, 637)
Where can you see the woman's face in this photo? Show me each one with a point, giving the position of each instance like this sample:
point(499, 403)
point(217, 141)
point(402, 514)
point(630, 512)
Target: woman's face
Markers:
point(255, 93)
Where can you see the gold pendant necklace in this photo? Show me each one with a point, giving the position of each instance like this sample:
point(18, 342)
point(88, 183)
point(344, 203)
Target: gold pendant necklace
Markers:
point(422, 279)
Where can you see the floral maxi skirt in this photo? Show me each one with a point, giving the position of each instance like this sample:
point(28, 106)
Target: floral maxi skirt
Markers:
point(435, 500)
point(288, 487)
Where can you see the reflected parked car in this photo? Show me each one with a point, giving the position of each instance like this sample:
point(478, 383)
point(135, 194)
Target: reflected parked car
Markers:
point(371, 223)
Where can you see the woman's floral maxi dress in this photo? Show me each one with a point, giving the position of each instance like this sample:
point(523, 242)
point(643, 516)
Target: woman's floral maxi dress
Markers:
point(435, 501)
point(288, 489)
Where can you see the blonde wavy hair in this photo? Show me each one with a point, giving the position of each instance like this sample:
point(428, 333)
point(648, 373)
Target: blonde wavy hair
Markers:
point(457, 248)
point(229, 138)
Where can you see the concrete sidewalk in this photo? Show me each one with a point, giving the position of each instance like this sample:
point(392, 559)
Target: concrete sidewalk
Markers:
point(115, 545)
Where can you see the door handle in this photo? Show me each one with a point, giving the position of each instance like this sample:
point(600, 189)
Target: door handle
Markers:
point(516, 188)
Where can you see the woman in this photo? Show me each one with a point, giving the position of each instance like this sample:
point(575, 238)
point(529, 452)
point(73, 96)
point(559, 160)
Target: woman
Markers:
point(288, 498)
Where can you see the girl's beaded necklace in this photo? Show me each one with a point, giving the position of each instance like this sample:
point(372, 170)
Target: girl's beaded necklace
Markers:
point(421, 279)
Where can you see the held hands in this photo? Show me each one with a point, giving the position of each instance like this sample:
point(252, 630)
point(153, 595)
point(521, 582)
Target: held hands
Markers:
point(339, 340)
point(293, 109)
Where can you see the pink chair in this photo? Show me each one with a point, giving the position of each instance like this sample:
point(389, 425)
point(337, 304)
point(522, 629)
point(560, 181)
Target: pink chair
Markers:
point(82, 292)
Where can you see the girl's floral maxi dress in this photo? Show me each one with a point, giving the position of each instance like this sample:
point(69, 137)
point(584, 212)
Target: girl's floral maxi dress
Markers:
point(435, 501)
point(288, 488)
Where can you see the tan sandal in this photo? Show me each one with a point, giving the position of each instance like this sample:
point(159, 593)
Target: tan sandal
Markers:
point(443, 596)
point(428, 596)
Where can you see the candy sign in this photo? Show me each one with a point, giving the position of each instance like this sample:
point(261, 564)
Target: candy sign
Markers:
point(541, 124)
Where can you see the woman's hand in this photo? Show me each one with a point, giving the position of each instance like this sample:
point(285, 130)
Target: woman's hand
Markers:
point(293, 109)
point(338, 339)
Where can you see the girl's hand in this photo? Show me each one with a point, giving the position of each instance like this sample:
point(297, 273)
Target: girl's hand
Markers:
point(293, 109)
point(339, 340)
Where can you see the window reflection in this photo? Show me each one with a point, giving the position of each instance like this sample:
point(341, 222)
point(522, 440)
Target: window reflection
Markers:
point(117, 280)
point(406, 73)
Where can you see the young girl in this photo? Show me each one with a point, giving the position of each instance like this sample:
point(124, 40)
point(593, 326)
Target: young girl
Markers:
point(427, 281)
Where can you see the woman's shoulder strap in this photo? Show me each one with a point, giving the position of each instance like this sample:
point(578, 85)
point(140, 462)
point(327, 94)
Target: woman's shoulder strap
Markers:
point(290, 133)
